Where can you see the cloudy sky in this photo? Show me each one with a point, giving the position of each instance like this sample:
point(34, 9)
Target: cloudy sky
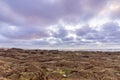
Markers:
point(60, 23)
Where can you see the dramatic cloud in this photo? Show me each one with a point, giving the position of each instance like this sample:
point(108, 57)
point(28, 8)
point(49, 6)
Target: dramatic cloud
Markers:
point(14, 32)
point(59, 23)
point(44, 12)
point(109, 32)
point(115, 9)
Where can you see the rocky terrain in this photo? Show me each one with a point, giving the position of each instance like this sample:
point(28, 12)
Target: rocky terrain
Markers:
point(18, 64)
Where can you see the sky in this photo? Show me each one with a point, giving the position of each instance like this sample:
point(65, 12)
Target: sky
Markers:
point(62, 24)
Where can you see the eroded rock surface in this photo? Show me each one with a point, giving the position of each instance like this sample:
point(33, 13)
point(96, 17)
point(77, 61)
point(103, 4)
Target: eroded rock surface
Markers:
point(18, 64)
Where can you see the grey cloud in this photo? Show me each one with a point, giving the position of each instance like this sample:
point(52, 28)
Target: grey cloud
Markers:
point(84, 30)
point(23, 32)
point(109, 33)
point(31, 16)
point(61, 33)
point(46, 12)
point(116, 14)
point(112, 31)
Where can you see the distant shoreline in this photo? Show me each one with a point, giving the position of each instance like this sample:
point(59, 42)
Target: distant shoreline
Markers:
point(101, 50)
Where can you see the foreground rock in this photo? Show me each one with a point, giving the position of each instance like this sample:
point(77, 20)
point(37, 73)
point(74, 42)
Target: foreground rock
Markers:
point(18, 64)
point(20, 71)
